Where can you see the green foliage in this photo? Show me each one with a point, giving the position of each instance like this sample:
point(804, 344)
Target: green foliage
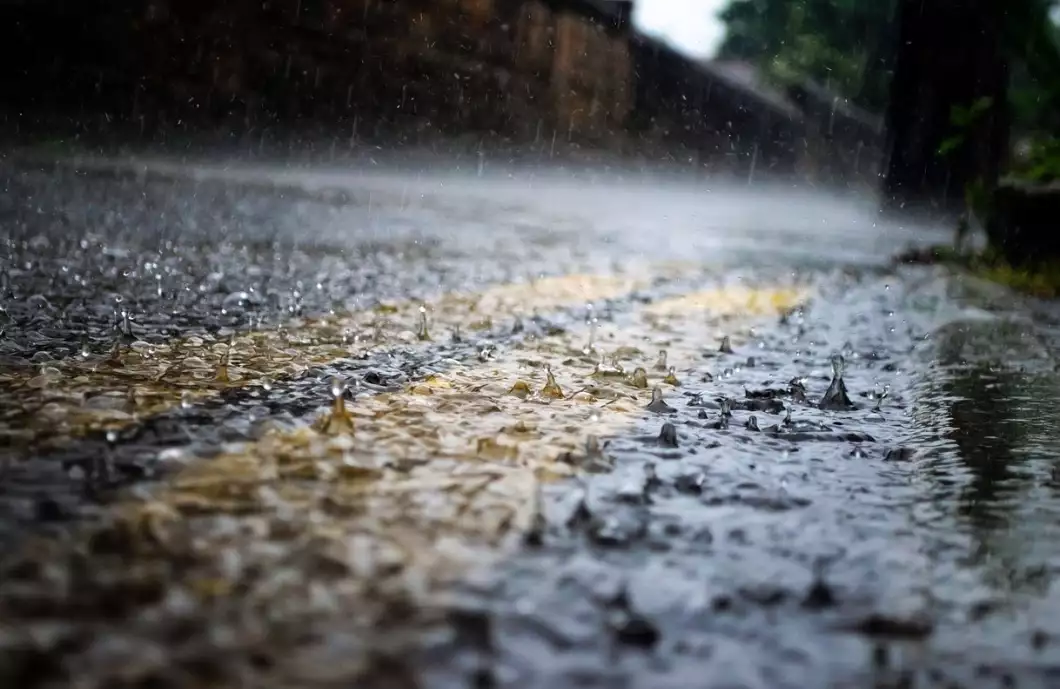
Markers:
point(963, 120)
point(1042, 280)
point(847, 44)
point(1040, 161)
point(839, 43)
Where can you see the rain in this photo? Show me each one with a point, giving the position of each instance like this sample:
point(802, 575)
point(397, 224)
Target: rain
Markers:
point(530, 343)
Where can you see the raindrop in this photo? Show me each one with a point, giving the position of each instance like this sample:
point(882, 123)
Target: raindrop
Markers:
point(222, 374)
point(726, 412)
point(520, 389)
point(186, 400)
point(880, 396)
point(590, 320)
point(552, 388)
point(668, 435)
point(422, 335)
point(657, 405)
point(266, 384)
point(836, 397)
point(338, 420)
point(126, 336)
point(86, 349)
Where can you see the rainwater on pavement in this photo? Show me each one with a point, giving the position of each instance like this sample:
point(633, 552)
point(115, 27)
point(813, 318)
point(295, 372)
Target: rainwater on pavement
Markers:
point(327, 428)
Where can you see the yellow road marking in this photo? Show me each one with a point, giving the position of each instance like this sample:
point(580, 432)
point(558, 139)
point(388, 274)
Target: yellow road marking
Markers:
point(69, 398)
point(435, 480)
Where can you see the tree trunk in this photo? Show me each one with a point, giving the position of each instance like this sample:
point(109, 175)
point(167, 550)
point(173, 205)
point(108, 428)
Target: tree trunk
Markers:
point(949, 56)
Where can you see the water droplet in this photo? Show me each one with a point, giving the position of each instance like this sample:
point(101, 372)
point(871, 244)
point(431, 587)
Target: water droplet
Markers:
point(657, 405)
point(726, 345)
point(880, 396)
point(726, 406)
point(660, 363)
point(668, 435)
point(520, 389)
point(552, 388)
point(423, 335)
point(186, 400)
point(266, 384)
point(86, 349)
point(338, 420)
point(836, 397)
point(752, 423)
point(112, 437)
point(338, 387)
point(639, 379)
point(221, 375)
point(671, 378)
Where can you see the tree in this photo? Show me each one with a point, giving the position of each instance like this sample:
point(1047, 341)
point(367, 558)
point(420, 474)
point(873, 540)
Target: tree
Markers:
point(841, 43)
point(950, 61)
point(949, 115)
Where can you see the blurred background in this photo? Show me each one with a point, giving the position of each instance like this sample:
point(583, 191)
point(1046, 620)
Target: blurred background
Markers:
point(761, 88)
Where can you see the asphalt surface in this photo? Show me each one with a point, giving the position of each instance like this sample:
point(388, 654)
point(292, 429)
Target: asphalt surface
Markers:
point(184, 504)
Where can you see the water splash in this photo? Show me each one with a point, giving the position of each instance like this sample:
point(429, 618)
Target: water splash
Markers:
point(222, 374)
point(422, 333)
point(657, 405)
point(668, 435)
point(338, 420)
point(836, 397)
point(590, 320)
point(639, 379)
point(613, 369)
point(726, 345)
point(880, 396)
point(671, 378)
point(660, 363)
point(552, 389)
point(520, 389)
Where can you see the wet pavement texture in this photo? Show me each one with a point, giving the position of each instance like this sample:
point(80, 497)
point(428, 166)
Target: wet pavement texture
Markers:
point(237, 453)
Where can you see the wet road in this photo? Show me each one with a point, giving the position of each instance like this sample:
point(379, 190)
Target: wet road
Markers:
point(314, 428)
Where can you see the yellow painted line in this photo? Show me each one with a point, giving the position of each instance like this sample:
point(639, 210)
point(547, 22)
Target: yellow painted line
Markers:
point(65, 399)
point(426, 486)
